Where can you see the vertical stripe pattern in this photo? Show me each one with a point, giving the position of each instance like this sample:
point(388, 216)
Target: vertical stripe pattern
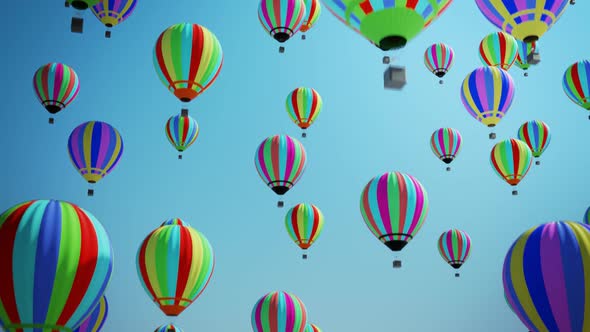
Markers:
point(304, 223)
point(313, 10)
point(97, 318)
point(439, 59)
point(511, 159)
point(446, 144)
point(586, 219)
point(182, 131)
point(279, 312)
point(281, 16)
point(524, 49)
point(576, 83)
point(113, 12)
point(168, 328)
point(536, 135)
point(454, 247)
point(56, 86)
point(498, 49)
point(303, 106)
point(280, 161)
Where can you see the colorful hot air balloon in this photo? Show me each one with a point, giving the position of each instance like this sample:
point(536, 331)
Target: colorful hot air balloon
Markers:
point(536, 135)
point(511, 159)
point(313, 9)
point(56, 85)
point(168, 328)
point(439, 59)
point(95, 148)
point(394, 207)
point(576, 83)
point(454, 247)
point(113, 12)
point(312, 328)
point(522, 56)
point(280, 161)
point(281, 18)
point(587, 217)
point(182, 131)
point(498, 49)
point(303, 106)
point(56, 262)
point(189, 261)
point(304, 223)
point(487, 94)
point(188, 59)
point(279, 312)
point(97, 318)
point(546, 276)
point(446, 144)
point(77, 25)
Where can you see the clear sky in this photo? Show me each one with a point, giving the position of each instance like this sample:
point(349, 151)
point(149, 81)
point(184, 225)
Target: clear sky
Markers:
point(348, 283)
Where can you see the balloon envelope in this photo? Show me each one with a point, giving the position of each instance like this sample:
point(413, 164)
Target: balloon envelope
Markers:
point(439, 59)
point(113, 12)
point(168, 328)
point(181, 131)
point(576, 83)
point(536, 135)
point(454, 247)
point(56, 86)
point(281, 18)
point(498, 49)
point(313, 10)
point(446, 144)
point(279, 312)
point(303, 106)
point(304, 223)
point(511, 159)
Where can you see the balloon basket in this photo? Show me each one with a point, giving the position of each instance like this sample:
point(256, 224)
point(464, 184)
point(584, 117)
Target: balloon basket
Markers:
point(441, 82)
point(280, 204)
point(304, 256)
point(537, 162)
point(456, 275)
point(304, 135)
point(51, 120)
point(179, 156)
point(397, 264)
point(90, 192)
point(514, 192)
point(492, 136)
point(303, 37)
point(281, 49)
point(184, 112)
point(77, 25)
point(526, 74)
point(386, 60)
point(448, 169)
point(107, 34)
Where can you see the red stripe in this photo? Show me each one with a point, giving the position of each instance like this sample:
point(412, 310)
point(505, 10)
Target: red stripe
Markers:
point(403, 203)
point(516, 158)
point(545, 134)
point(502, 49)
point(316, 222)
point(141, 262)
point(576, 81)
point(196, 53)
point(184, 123)
point(366, 6)
point(412, 4)
point(295, 105)
point(184, 263)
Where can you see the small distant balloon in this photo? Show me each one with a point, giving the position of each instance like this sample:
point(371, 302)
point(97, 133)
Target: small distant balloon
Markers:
point(113, 12)
point(454, 247)
point(576, 83)
point(536, 135)
point(446, 144)
point(182, 131)
point(439, 59)
point(279, 311)
point(313, 10)
point(511, 159)
point(303, 106)
point(56, 85)
point(498, 49)
point(281, 19)
point(304, 223)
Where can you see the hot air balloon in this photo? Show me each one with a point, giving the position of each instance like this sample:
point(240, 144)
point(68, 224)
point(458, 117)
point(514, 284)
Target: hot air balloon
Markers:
point(304, 223)
point(313, 9)
point(56, 262)
point(576, 83)
point(439, 59)
point(487, 94)
point(113, 12)
point(189, 261)
point(454, 247)
point(95, 148)
point(168, 328)
point(522, 56)
point(524, 20)
point(77, 25)
point(498, 49)
point(545, 277)
point(56, 85)
point(182, 131)
point(446, 144)
point(187, 59)
point(536, 135)
point(511, 159)
point(279, 312)
point(394, 207)
point(280, 161)
point(303, 106)
point(312, 328)
point(97, 318)
point(281, 18)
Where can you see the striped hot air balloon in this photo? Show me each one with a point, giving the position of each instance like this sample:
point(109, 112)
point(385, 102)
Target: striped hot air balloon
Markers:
point(304, 223)
point(56, 262)
point(487, 95)
point(189, 259)
point(182, 131)
point(303, 106)
point(280, 161)
point(446, 144)
point(394, 206)
point(576, 83)
point(312, 328)
point(97, 318)
point(168, 328)
point(454, 247)
point(439, 59)
point(56, 85)
point(524, 20)
point(545, 276)
point(279, 312)
point(536, 135)
point(95, 148)
point(187, 59)
point(498, 49)
point(113, 12)
point(511, 159)
point(313, 9)
point(522, 56)
point(281, 18)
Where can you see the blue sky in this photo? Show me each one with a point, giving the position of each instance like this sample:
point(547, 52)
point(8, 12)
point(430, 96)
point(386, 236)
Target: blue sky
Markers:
point(348, 283)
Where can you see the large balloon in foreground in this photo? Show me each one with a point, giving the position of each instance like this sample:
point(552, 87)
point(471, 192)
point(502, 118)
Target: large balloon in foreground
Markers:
point(511, 159)
point(97, 318)
point(56, 85)
point(188, 260)
point(546, 276)
point(576, 83)
point(536, 135)
point(304, 223)
point(113, 12)
point(168, 328)
point(313, 9)
point(439, 59)
point(281, 18)
point(279, 312)
point(454, 247)
point(303, 106)
point(56, 262)
point(498, 49)
point(446, 144)
point(182, 131)
point(394, 207)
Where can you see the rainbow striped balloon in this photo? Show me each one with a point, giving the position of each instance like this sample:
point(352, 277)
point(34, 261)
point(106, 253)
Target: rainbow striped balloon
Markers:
point(576, 83)
point(303, 106)
point(189, 261)
point(182, 131)
point(281, 18)
point(113, 12)
point(312, 328)
point(304, 223)
point(394, 207)
point(524, 50)
point(439, 59)
point(97, 318)
point(280, 161)
point(279, 312)
point(56, 262)
point(498, 49)
point(313, 9)
point(168, 328)
point(546, 275)
point(454, 247)
point(511, 159)
point(95, 148)
point(487, 94)
point(525, 20)
point(187, 59)
point(536, 135)
point(446, 144)
point(56, 85)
